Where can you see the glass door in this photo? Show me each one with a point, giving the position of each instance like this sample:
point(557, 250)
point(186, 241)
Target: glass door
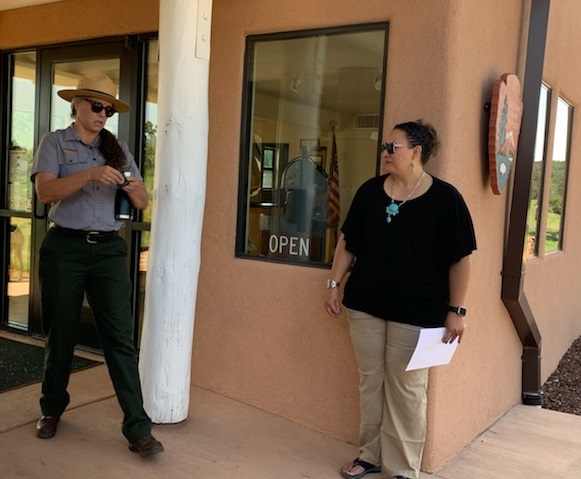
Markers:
point(35, 108)
point(16, 207)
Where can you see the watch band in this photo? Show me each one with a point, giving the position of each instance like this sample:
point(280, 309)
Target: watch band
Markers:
point(332, 284)
point(459, 310)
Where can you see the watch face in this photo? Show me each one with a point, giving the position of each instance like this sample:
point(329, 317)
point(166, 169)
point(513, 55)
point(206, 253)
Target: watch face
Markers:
point(461, 311)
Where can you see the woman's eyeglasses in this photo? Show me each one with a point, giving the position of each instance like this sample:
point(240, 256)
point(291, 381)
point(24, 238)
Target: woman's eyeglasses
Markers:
point(390, 147)
point(97, 107)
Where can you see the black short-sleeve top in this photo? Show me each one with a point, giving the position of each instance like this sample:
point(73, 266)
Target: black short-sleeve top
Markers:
point(401, 268)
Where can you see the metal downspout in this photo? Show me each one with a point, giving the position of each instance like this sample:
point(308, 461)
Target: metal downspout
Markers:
point(513, 270)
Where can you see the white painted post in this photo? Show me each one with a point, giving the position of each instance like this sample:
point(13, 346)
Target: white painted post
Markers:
point(178, 209)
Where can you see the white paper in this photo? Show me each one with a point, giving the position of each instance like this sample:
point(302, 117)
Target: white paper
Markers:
point(430, 350)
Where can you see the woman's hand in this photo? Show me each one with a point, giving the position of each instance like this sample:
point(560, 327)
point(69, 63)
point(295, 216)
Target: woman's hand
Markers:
point(333, 302)
point(137, 193)
point(106, 175)
point(342, 260)
point(132, 184)
point(455, 327)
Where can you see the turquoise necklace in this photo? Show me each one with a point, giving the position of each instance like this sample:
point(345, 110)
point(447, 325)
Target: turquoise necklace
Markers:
point(393, 208)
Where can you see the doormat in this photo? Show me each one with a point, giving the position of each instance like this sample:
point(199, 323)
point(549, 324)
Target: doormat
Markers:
point(22, 364)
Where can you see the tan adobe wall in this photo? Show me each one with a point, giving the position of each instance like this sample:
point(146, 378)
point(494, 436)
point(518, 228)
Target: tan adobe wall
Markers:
point(76, 20)
point(278, 350)
point(552, 282)
point(485, 378)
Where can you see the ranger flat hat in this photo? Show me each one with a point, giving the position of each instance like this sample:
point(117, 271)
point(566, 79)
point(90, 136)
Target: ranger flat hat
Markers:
point(96, 85)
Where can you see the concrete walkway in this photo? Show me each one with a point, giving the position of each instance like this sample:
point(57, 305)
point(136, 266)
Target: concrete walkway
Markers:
point(226, 439)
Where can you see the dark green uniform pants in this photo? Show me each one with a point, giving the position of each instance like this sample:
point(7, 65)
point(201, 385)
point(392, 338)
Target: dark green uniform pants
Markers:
point(69, 267)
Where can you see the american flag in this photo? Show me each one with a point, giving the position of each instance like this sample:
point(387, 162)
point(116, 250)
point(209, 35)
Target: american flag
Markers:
point(333, 204)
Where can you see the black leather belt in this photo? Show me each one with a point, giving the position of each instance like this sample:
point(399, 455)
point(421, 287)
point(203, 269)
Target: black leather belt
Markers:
point(91, 237)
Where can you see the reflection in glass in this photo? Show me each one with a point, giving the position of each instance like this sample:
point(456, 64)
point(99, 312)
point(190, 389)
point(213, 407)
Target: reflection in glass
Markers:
point(307, 95)
point(267, 179)
point(147, 170)
point(533, 216)
point(557, 187)
point(19, 186)
point(22, 132)
point(143, 258)
point(19, 273)
point(150, 128)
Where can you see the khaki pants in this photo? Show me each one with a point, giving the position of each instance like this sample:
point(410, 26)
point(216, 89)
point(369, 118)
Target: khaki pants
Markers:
point(393, 402)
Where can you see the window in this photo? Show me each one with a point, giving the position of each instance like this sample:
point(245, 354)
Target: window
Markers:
point(148, 167)
point(22, 114)
point(31, 107)
point(310, 138)
point(536, 192)
point(549, 179)
point(22, 131)
point(559, 167)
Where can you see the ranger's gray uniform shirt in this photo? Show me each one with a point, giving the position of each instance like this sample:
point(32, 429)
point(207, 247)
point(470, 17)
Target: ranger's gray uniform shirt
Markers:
point(62, 154)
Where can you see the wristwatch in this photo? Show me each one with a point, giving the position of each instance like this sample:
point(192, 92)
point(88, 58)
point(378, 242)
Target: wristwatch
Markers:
point(332, 284)
point(459, 310)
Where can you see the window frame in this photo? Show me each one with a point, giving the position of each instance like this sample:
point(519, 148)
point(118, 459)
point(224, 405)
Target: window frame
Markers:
point(543, 167)
point(567, 161)
point(549, 137)
point(243, 197)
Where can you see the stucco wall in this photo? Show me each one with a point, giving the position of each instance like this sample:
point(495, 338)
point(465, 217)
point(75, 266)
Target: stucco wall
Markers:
point(261, 334)
point(472, 392)
point(278, 349)
point(76, 20)
point(552, 281)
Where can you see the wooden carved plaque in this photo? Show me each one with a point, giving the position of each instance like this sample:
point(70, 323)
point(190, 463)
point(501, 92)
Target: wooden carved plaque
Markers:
point(504, 128)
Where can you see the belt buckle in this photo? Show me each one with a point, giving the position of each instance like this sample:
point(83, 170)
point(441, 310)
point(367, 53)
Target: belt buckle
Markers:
point(89, 239)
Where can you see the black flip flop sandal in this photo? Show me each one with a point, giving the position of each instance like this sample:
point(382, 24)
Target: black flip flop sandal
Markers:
point(368, 468)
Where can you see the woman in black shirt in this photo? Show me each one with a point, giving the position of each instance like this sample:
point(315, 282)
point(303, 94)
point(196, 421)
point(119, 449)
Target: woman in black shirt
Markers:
point(408, 237)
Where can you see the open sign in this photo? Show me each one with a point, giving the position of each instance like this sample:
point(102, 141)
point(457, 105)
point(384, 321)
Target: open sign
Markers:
point(289, 246)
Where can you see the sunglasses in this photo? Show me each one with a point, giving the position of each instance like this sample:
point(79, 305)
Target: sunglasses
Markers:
point(97, 107)
point(390, 147)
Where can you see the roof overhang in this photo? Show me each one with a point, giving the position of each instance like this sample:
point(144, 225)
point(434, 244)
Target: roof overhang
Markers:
point(14, 4)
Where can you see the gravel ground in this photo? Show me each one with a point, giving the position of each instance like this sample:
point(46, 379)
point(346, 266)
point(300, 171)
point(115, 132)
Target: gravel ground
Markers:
point(562, 391)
